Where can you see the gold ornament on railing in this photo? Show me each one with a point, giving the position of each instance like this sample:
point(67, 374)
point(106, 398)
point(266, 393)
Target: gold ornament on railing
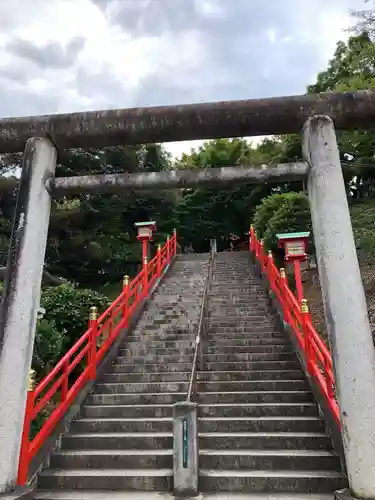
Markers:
point(93, 313)
point(304, 306)
point(282, 273)
point(31, 381)
point(125, 281)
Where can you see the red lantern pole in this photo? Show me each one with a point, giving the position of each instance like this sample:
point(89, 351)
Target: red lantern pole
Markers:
point(144, 249)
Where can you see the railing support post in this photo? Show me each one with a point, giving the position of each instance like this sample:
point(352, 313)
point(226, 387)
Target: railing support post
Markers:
point(125, 308)
point(21, 299)
point(185, 449)
point(23, 467)
point(93, 325)
point(168, 251)
point(158, 262)
point(284, 284)
point(305, 316)
point(344, 303)
point(174, 247)
point(145, 277)
point(270, 272)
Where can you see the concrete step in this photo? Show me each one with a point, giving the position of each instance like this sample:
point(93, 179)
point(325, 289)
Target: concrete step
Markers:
point(203, 397)
point(253, 410)
point(261, 424)
point(253, 385)
point(159, 359)
point(256, 319)
point(108, 479)
point(66, 494)
point(127, 411)
point(166, 377)
point(269, 459)
point(246, 331)
point(158, 344)
point(265, 440)
point(118, 441)
point(249, 356)
point(134, 387)
point(152, 353)
point(205, 410)
point(205, 424)
point(121, 425)
point(131, 398)
point(251, 365)
point(242, 375)
point(128, 367)
point(113, 459)
point(212, 341)
point(271, 481)
point(217, 376)
point(263, 348)
point(161, 337)
point(204, 386)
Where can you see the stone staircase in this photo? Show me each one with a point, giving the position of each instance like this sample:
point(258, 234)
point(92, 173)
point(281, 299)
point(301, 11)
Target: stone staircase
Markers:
point(123, 439)
point(259, 428)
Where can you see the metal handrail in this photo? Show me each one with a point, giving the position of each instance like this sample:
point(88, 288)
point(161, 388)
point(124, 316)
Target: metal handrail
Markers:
point(203, 308)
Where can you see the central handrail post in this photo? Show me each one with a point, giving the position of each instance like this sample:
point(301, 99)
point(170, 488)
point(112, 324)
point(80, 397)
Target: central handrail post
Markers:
point(185, 415)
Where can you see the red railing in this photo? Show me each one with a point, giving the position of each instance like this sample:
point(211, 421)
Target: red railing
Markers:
point(317, 357)
point(56, 388)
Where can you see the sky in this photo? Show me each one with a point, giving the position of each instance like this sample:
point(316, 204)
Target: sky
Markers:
point(60, 56)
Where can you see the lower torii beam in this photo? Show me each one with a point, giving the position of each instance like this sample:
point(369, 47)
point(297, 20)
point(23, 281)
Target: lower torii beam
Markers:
point(177, 179)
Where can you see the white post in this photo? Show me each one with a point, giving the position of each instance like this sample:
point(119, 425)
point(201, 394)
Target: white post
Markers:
point(344, 303)
point(21, 299)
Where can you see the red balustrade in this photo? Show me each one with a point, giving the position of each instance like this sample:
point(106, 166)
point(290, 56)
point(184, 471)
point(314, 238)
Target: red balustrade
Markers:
point(317, 357)
point(60, 387)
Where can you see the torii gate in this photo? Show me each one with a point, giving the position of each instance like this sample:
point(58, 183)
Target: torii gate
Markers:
point(344, 301)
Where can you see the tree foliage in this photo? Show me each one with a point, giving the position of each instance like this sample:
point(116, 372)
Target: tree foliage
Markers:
point(68, 308)
point(281, 213)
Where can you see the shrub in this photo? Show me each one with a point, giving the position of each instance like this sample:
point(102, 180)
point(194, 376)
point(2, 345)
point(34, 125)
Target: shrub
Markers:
point(68, 308)
point(293, 215)
point(48, 346)
point(265, 210)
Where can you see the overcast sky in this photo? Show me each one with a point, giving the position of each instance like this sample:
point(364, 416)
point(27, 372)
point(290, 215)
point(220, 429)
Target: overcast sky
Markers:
point(75, 55)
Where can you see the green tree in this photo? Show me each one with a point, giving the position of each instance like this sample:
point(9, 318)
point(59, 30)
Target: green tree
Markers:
point(353, 68)
point(282, 213)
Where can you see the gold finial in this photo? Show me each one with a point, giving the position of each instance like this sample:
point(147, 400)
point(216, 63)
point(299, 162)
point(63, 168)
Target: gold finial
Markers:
point(125, 281)
point(304, 306)
point(93, 313)
point(145, 260)
point(31, 382)
point(282, 273)
point(270, 254)
point(159, 248)
point(175, 230)
point(261, 242)
point(251, 227)
point(168, 237)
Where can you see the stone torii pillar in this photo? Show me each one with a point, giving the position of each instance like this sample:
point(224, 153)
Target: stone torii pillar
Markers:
point(19, 308)
point(344, 302)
